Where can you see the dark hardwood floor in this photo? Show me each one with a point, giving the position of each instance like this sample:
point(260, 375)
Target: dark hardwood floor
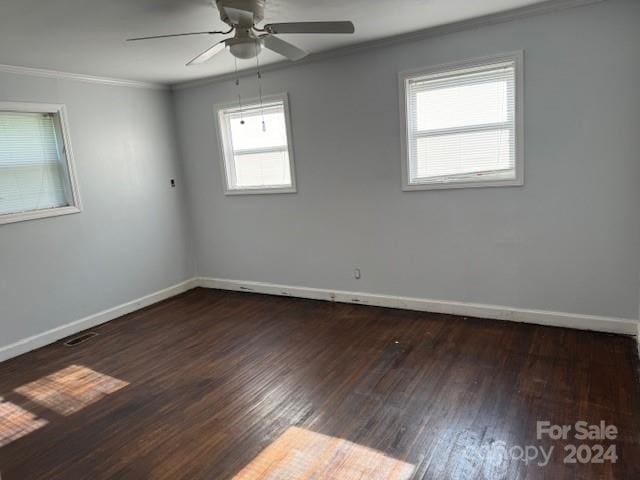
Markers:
point(204, 382)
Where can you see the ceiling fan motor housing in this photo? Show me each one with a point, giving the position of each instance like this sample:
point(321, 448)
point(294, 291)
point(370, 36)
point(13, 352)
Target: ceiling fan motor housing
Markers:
point(254, 6)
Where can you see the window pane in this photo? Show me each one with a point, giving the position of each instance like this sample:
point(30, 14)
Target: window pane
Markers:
point(461, 124)
point(262, 169)
point(463, 153)
point(462, 105)
point(256, 147)
point(32, 173)
point(251, 135)
point(31, 187)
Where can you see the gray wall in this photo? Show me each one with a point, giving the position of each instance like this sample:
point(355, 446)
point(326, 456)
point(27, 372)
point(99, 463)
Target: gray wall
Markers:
point(566, 241)
point(131, 238)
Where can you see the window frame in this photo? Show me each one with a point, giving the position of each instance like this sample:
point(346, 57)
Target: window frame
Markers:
point(75, 204)
point(226, 153)
point(517, 58)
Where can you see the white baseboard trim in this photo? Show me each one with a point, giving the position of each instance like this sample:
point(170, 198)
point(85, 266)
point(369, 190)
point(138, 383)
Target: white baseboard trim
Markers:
point(497, 312)
point(55, 334)
point(541, 317)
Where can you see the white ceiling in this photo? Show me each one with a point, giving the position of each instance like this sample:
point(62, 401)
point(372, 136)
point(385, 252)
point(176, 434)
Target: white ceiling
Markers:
point(87, 36)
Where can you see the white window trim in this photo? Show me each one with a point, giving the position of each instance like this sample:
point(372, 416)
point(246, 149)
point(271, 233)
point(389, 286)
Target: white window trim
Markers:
point(518, 59)
point(76, 204)
point(282, 97)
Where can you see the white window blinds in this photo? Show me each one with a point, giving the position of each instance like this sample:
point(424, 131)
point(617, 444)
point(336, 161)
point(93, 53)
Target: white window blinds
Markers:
point(256, 147)
point(461, 125)
point(33, 173)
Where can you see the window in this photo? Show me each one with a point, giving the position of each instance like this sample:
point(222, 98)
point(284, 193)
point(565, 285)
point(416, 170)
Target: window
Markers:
point(256, 147)
point(462, 125)
point(36, 169)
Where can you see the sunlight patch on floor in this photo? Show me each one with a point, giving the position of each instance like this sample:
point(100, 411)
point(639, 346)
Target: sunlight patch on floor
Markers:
point(300, 454)
point(70, 389)
point(16, 422)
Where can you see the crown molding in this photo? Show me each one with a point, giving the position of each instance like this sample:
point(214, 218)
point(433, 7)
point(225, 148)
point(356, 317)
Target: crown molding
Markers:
point(542, 8)
point(79, 77)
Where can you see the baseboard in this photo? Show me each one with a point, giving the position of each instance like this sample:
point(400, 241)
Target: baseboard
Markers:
point(499, 312)
point(55, 334)
point(541, 317)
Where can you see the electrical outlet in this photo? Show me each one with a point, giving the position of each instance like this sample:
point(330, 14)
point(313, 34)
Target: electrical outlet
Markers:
point(173, 183)
point(357, 274)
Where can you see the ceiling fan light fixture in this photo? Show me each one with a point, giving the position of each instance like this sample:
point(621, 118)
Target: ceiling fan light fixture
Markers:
point(245, 48)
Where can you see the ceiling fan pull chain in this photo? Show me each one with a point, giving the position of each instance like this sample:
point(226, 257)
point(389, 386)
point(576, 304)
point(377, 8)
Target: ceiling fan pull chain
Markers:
point(238, 88)
point(264, 125)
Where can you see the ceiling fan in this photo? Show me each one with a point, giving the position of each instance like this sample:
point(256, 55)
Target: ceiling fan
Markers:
point(248, 39)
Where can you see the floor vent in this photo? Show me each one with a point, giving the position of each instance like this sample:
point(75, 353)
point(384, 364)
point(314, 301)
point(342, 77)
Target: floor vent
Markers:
point(80, 339)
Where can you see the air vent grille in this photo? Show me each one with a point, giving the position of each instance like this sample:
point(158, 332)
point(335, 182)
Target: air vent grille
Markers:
point(79, 339)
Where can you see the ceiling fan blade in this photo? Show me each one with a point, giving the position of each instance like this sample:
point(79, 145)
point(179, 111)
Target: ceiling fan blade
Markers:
point(311, 27)
point(208, 54)
point(238, 16)
point(173, 35)
point(283, 48)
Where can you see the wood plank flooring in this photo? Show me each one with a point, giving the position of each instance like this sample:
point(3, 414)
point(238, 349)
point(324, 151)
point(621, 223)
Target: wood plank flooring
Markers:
point(196, 387)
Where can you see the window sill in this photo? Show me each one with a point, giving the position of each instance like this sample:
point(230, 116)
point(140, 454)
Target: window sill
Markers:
point(513, 182)
point(37, 214)
point(260, 191)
